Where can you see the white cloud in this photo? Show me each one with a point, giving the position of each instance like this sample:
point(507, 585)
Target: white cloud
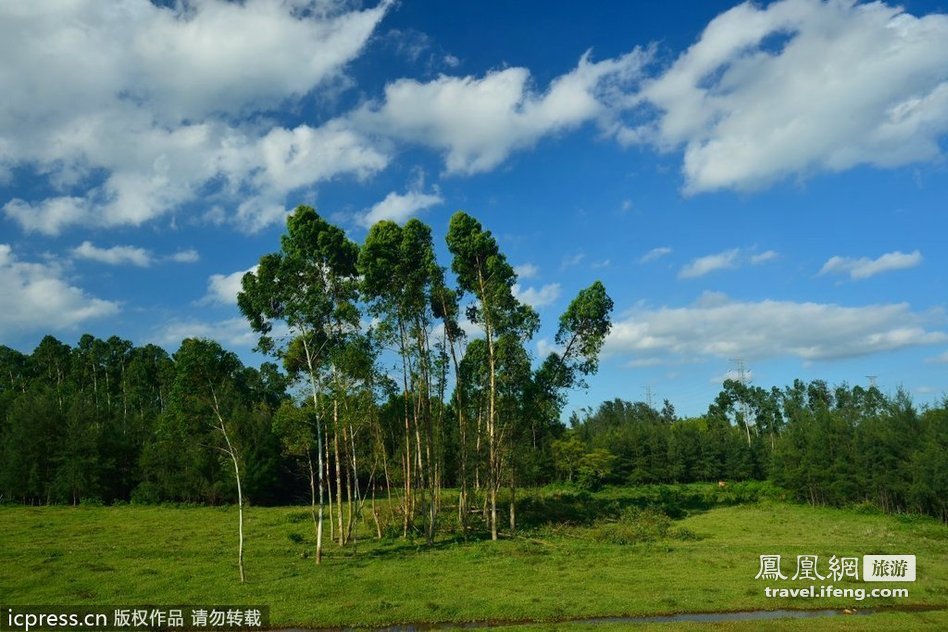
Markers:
point(545, 348)
point(297, 157)
point(37, 298)
point(231, 332)
point(655, 253)
point(116, 255)
point(223, 288)
point(185, 256)
point(534, 297)
point(716, 326)
point(863, 268)
point(800, 86)
point(726, 260)
point(91, 106)
point(704, 265)
point(50, 215)
point(129, 255)
point(477, 122)
point(732, 374)
point(940, 359)
point(764, 257)
point(526, 271)
point(399, 207)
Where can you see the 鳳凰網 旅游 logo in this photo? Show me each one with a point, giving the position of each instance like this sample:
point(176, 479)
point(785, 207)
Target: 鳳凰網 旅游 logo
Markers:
point(874, 568)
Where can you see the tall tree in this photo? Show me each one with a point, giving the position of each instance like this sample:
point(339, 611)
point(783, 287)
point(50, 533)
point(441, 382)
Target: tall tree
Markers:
point(484, 272)
point(399, 273)
point(210, 384)
point(310, 285)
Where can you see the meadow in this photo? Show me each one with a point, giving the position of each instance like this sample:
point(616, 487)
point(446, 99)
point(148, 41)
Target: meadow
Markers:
point(598, 555)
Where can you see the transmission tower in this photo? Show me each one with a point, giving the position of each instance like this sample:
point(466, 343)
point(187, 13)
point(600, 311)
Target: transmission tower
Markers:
point(741, 371)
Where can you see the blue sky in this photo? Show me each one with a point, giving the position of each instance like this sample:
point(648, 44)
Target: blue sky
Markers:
point(758, 182)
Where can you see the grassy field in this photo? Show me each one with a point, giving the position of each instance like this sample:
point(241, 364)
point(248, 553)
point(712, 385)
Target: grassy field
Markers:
point(706, 562)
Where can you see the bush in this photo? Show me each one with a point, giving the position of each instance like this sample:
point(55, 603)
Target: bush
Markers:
point(634, 525)
point(145, 494)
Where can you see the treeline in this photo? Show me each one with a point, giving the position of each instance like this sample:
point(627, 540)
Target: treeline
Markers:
point(828, 446)
point(106, 421)
point(377, 393)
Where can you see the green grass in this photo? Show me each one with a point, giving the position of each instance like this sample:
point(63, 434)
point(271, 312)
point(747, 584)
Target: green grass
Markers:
point(162, 555)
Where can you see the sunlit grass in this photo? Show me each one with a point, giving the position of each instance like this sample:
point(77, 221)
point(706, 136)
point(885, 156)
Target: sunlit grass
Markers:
point(164, 555)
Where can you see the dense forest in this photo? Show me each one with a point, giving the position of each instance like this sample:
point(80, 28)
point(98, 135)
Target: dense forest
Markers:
point(330, 423)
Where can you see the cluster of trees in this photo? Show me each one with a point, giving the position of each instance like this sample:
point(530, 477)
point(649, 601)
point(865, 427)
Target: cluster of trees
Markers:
point(108, 421)
point(333, 312)
point(378, 392)
point(827, 446)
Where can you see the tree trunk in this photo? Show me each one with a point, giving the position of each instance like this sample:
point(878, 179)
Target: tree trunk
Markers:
point(513, 502)
point(494, 456)
point(317, 526)
point(332, 528)
point(319, 448)
point(240, 496)
point(407, 501)
point(319, 529)
point(357, 494)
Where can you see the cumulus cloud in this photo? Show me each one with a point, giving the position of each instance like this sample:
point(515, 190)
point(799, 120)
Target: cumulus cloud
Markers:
point(37, 297)
point(477, 122)
point(863, 268)
point(726, 260)
point(704, 265)
point(764, 257)
point(129, 255)
point(223, 288)
point(116, 255)
point(537, 297)
point(90, 105)
point(231, 332)
point(800, 86)
point(399, 207)
point(185, 256)
point(526, 271)
point(716, 326)
point(655, 253)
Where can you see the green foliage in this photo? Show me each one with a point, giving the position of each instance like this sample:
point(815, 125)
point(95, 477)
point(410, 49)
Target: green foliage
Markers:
point(595, 467)
point(634, 525)
point(568, 456)
point(857, 446)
